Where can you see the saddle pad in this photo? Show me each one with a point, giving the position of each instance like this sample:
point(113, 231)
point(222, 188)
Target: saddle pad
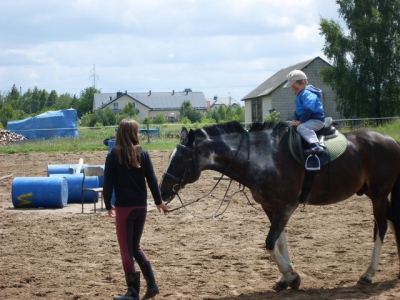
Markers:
point(335, 147)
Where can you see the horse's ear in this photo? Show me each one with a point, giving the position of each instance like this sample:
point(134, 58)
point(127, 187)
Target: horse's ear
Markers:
point(187, 137)
point(191, 137)
point(184, 136)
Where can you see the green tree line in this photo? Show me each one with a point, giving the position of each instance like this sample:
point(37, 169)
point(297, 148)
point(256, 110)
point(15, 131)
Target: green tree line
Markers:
point(17, 106)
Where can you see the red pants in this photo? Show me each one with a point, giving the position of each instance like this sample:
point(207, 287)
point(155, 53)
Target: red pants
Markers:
point(129, 224)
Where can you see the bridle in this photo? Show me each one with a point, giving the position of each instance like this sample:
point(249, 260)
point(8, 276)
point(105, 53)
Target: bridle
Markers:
point(180, 183)
point(180, 180)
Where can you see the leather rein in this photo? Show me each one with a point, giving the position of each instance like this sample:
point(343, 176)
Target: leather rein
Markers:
point(193, 160)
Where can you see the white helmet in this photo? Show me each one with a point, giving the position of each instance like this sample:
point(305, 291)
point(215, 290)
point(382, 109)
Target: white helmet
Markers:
point(294, 76)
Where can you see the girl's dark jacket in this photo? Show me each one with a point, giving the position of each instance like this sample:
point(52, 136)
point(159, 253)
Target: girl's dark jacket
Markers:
point(129, 183)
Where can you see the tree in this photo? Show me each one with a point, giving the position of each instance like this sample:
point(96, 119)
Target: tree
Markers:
point(43, 100)
point(85, 103)
point(6, 114)
point(51, 99)
point(34, 101)
point(13, 95)
point(2, 100)
point(160, 119)
point(365, 73)
point(274, 116)
point(189, 112)
point(129, 110)
point(64, 101)
point(213, 114)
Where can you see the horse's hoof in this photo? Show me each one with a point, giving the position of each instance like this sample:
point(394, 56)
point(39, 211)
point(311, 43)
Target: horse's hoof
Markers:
point(364, 281)
point(280, 286)
point(295, 283)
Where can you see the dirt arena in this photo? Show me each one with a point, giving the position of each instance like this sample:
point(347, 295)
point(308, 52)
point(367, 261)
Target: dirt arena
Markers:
point(64, 254)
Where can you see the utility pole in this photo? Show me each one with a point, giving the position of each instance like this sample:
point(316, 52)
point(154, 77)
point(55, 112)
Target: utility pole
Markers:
point(93, 75)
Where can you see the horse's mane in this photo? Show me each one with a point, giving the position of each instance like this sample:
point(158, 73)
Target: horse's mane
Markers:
point(236, 127)
point(267, 126)
point(224, 128)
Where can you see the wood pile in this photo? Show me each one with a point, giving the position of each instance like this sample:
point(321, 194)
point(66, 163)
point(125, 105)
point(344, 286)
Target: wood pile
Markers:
point(7, 137)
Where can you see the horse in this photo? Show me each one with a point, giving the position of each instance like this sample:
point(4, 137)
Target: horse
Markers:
point(260, 159)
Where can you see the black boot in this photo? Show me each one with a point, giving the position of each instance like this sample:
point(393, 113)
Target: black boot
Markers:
point(133, 283)
point(152, 288)
point(316, 148)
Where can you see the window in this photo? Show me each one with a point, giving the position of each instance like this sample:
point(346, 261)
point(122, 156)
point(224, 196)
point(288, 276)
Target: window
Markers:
point(115, 106)
point(256, 111)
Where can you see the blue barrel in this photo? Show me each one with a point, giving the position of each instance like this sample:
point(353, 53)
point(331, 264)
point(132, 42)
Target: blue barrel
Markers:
point(63, 168)
point(111, 144)
point(29, 192)
point(75, 187)
point(151, 131)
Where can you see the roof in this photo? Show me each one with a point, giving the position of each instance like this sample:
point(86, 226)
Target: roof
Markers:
point(223, 101)
point(276, 80)
point(155, 100)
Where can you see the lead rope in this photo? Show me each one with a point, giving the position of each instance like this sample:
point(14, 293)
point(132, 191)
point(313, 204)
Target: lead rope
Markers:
point(240, 190)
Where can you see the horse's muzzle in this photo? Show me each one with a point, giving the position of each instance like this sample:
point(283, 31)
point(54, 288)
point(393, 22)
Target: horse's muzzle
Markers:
point(167, 197)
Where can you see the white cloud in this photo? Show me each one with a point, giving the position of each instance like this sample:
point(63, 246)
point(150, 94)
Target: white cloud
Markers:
point(207, 45)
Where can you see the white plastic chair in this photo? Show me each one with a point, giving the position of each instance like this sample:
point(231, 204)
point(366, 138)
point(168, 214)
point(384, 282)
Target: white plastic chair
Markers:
point(92, 171)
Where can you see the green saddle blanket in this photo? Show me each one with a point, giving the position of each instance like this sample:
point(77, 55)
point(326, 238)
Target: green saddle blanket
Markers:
point(335, 147)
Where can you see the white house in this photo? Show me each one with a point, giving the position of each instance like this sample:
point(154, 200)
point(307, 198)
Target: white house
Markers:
point(150, 104)
point(216, 102)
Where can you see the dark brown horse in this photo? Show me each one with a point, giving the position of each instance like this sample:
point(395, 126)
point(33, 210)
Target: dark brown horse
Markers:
point(260, 159)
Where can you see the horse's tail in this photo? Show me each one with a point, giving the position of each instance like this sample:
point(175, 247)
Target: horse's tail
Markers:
point(394, 213)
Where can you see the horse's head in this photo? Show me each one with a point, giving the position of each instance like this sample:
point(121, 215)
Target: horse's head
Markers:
point(182, 168)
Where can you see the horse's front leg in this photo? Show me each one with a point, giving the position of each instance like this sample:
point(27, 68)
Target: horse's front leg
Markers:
point(281, 256)
point(277, 246)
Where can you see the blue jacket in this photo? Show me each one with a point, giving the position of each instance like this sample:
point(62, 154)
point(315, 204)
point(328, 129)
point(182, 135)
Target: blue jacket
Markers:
point(308, 105)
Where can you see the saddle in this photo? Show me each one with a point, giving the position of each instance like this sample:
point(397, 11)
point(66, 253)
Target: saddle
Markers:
point(329, 138)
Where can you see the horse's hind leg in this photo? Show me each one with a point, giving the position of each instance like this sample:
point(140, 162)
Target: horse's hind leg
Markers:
point(380, 228)
point(394, 214)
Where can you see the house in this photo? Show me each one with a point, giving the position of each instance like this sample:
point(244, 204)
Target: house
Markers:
point(150, 104)
point(216, 102)
point(271, 96)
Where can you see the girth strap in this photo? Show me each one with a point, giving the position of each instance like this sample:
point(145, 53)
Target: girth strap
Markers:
point(307, 184)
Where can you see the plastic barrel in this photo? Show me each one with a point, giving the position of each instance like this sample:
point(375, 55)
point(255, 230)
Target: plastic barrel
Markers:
point(111, 144)
point(63, 168)
point(29, 192)
point(75, 187)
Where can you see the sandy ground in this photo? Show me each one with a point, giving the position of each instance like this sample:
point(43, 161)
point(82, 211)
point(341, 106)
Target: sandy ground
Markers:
point(64, 254)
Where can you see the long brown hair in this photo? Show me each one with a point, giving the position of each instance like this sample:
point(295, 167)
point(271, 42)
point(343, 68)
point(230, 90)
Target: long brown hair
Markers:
point(127, 146)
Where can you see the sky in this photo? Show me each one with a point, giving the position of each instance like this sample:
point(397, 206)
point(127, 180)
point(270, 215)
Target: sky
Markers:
point(220, 47)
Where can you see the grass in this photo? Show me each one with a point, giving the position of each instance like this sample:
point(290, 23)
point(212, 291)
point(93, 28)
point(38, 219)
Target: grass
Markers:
point(392, 129)
point(92, 140)
point(88, 140)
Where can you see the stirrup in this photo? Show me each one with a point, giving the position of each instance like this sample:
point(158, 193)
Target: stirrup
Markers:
point(313, 163)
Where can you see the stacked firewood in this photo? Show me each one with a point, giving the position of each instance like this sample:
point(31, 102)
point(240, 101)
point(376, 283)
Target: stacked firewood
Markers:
point(7, 137)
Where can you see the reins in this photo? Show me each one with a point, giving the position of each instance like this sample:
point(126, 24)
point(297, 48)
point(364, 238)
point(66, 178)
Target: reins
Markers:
point(215, 214)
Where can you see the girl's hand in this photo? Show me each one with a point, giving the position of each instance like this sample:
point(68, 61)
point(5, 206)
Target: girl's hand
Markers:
point(111, 212)
point(162, 207)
